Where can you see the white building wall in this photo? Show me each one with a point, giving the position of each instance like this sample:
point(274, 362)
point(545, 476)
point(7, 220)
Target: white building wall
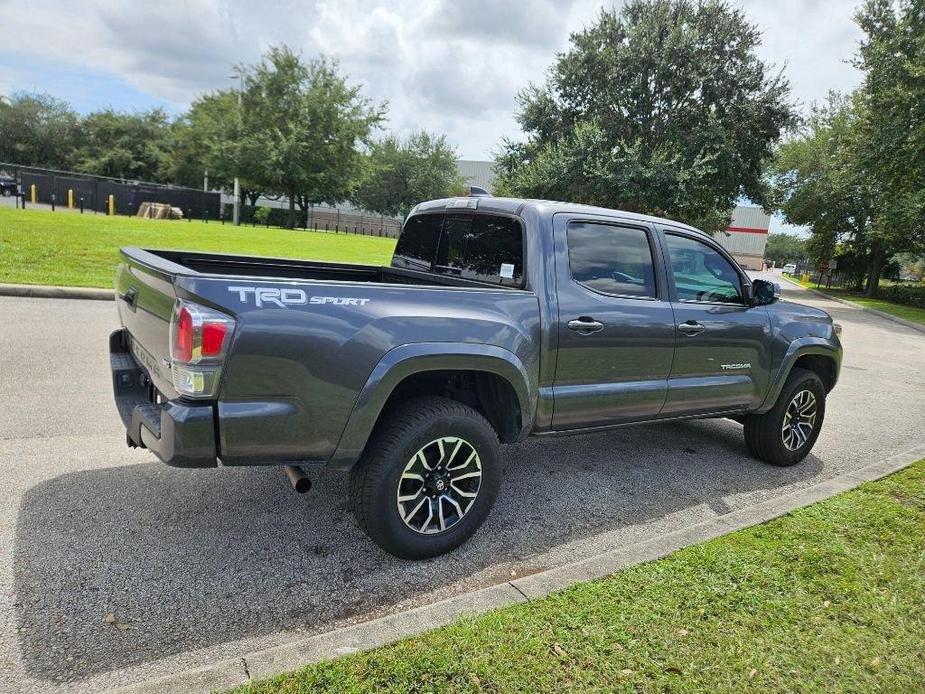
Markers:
point(746, 236)
point(477, 173)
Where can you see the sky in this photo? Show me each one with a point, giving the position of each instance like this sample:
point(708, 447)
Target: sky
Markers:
point(446, 66)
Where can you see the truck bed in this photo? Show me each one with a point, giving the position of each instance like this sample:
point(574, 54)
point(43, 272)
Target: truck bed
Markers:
point(281, 268)
point(307, 337)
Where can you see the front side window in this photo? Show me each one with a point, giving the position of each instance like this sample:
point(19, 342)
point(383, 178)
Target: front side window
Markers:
point(701, 273)
point(611, 259)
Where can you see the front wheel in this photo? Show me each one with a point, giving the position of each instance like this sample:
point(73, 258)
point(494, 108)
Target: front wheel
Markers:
point(785, 434)
point(428, 478)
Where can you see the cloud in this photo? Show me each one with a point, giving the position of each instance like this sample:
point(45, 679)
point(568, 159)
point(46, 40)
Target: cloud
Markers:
point(447, 66)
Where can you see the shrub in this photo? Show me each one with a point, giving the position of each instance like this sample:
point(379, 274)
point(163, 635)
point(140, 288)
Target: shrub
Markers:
point(905, 294)
point(262, 215)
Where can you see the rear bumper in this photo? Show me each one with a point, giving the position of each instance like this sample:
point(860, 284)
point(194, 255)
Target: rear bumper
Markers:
point(179, 434)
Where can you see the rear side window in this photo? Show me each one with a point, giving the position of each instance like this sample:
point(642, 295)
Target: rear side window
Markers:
point(611, 259)
point(481, 247)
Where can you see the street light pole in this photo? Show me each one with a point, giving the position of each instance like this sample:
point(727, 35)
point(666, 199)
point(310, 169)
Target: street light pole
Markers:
point(236, 209)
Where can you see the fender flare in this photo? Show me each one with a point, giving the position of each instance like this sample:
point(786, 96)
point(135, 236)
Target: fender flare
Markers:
point(406, 360)
point(800, 347)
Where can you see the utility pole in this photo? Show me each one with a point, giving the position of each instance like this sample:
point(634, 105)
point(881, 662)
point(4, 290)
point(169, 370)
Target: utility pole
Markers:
point(236, 209)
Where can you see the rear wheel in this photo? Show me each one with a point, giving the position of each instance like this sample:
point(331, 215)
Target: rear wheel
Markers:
point(428, 478)
point(786, 433)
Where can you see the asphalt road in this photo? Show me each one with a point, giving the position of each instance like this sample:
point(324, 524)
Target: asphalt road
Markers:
point(199, 565)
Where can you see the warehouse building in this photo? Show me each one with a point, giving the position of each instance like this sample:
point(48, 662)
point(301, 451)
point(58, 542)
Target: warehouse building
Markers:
point(745, 237)
point(476, 173)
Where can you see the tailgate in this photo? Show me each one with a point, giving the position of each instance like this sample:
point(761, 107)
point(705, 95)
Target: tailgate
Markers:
point(145, 297)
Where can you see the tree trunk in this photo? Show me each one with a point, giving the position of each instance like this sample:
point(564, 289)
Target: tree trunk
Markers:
point(290, 221)
point(874, 268)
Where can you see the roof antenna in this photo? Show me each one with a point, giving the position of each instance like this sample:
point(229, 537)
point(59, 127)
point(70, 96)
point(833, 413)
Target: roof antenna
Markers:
point(478, 192)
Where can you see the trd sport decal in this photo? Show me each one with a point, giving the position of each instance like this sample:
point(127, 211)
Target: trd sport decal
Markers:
point(289, 296)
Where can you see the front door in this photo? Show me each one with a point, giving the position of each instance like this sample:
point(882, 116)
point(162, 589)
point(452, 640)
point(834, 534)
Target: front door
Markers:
point(722, 345)
point(615, 324)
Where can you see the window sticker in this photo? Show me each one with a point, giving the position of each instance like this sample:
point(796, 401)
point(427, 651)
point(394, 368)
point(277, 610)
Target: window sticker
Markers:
point(507, 271)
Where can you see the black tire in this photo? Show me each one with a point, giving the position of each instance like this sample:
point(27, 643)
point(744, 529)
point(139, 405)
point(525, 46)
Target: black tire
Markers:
point(398, 437)
point(764, 435)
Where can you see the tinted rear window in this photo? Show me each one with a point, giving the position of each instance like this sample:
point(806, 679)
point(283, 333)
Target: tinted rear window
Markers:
point(417, 243)
point(485, 248)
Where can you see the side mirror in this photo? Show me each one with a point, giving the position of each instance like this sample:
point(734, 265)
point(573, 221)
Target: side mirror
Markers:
point(764, 292)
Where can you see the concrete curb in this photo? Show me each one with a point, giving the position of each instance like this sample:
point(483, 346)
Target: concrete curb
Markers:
point(47, 292)
point(896, 319)
point(378, 632)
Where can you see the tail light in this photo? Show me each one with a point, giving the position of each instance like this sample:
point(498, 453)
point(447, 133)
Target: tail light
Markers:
point(199, 338)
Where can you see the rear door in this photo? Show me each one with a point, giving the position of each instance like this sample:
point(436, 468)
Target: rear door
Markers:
point(615, 323)
point(722, 345)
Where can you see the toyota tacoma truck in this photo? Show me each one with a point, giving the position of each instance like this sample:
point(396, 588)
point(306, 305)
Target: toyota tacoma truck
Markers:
point(497, 319)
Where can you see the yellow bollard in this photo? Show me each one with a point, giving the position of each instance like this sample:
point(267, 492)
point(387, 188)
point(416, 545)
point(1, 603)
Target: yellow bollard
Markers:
point(33, 194)
point(70, 198)
point(112, 205)
point(805, 278)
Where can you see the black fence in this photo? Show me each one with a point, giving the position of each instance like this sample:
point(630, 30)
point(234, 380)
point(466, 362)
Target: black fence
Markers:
point(91, 193)
point(321, 218)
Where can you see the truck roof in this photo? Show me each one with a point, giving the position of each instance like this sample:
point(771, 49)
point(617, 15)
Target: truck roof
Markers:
point(516, 206)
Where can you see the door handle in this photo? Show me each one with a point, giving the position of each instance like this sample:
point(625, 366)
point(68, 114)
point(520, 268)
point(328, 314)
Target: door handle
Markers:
point(691, 328)
point(585, 325)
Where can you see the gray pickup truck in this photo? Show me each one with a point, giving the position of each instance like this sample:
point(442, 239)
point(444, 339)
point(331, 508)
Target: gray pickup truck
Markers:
point(497, 319)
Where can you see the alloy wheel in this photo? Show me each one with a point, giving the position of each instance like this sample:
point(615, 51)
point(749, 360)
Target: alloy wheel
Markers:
point(439, 485)
point(799, 420)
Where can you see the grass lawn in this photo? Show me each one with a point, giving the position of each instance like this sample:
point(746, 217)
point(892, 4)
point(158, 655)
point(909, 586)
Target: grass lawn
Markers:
point(63, 248)
point(795, 280)
point(827, 598)
point(908, 312)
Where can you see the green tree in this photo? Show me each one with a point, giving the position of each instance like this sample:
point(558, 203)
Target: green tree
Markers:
point(404, 173)
point(785, 248)
point(125, 145)
point(663, 107)
point(37, 129)
point(817, 180)
point(856, 173)
point(303, 127)
point(209, 138)
point(892, 125)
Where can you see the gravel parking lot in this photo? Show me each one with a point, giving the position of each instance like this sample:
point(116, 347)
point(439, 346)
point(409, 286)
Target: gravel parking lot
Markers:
point(200, 565)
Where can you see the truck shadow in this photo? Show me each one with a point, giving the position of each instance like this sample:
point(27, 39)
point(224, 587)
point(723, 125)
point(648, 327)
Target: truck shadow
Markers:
point(187, 559)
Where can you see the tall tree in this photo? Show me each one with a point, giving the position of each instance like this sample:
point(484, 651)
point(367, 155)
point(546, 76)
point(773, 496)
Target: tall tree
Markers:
point(404, 173)
point(856, 172)
point(37, 129)
point(305, 126)
point(819, 183)
point(210, 138)
point(892, 55)
point(785, 248)
point(663, 107)
point(125, 145)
